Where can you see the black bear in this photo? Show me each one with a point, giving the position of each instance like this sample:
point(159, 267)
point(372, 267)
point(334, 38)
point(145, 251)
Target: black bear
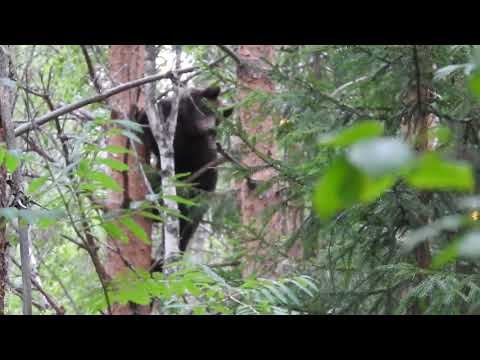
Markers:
point(194, 147)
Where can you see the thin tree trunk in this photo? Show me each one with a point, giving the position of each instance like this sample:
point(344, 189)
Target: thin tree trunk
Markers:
point(416, 131)
point(6, 97)
point(163, 131)
point(126, 64)
point(3, 240)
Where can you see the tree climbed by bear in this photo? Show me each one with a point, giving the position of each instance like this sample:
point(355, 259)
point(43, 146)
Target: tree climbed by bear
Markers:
point(194, 148)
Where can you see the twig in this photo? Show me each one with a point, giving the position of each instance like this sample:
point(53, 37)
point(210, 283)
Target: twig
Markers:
point(211, 165)
point(89, 241)
point(348, 84)
point(60, 134)
point(35, 148)
point(60, 310)
point(91, 70)
point(230, 158)
point(62, 285)
point(19, 293)
point(231, 54)
point(226, 264)
point(184, 82)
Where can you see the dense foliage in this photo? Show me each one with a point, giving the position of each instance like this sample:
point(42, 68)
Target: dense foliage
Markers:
point(368, 194)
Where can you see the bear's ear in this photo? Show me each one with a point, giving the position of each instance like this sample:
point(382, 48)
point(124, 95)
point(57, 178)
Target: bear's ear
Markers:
point(211, 92)
point(166, 107)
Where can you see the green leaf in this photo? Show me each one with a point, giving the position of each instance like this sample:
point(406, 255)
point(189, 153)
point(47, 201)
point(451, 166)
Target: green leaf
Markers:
point(433, 173)
point(344, 186)
point(32, 216)
point(217, 308)
point(267, 295)
point(88, 187)
point(45, 223)
point(307, 281)
point(277, 293)
point(129, 124)
point(339, 188)
point(192, 288)
point(149, 215)
point(105, 180)
point(440, 133)
point(290, 294)
point(173, 213)
point(12, 162)
point(475, 84)
point(113, 164)
point(360, 131)
point(179, 199)
point(136, 229)
point(115, 232)
point(9, 213)
point(374, 188)
point(198, 310)
point(103, 121)
point(132, 136)
point(446, 256)
point(83, 168)
point(300, 286)
point(134, 292)
point(378, 157)
point(36, 184)
point(116, 150)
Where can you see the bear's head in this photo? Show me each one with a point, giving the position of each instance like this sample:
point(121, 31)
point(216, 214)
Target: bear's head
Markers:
point(197, 114)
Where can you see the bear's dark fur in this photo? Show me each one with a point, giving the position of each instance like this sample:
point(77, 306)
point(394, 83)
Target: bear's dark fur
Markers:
point(194, 146)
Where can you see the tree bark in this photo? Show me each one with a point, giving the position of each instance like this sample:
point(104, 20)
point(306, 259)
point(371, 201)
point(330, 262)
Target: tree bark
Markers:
point(251, 73)
point(3, 202)
point(415, 128)
point(126, 64)
point(3, 227)
point(6, 97)
point(163, 131)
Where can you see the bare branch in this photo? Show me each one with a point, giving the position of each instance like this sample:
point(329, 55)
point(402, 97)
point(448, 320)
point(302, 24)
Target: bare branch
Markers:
point(91, 70)
point(62, 285)
point(226, 264)
point(211, 165)
point(60, 310)
point(35, 148)
point(22, 129)
point(185, 82)
point(18, 291)
point(231, 54)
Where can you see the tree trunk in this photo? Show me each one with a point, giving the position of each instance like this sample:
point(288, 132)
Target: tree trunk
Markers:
point(3, 228)
point(3, 224)
point(126, 64)
point(252, 76)
point(3, 203)
point(163, 131)
point(416, 129)
point(16, 187)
